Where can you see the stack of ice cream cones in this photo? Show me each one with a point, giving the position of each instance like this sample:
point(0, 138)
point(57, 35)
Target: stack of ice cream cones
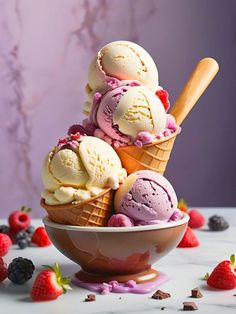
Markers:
point(155, 156)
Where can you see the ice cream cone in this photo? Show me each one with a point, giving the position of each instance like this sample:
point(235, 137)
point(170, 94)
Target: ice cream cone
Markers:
point(94, 212)
point(153, 156)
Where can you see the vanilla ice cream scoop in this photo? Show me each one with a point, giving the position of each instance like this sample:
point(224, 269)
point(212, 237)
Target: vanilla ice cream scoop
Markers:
point(125, 112)
point(120, 60)
point(77, 169)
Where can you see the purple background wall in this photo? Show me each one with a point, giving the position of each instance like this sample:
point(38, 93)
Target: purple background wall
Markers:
point(45, 50)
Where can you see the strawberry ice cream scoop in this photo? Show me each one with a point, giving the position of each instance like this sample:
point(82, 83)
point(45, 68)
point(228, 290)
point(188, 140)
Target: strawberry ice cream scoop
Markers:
point(120, 220)
point(147, 198)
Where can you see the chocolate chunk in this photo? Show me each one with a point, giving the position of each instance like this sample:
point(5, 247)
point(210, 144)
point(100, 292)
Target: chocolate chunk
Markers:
point(189, 306)
point(90, 298)
point(160, 295)
point(196, 293)
point(162, 308)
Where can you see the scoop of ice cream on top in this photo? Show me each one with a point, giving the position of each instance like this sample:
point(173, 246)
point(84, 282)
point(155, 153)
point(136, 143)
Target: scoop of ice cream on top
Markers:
point(127, 115)
point(146, 197)
point(118, 61)
point(78, 168)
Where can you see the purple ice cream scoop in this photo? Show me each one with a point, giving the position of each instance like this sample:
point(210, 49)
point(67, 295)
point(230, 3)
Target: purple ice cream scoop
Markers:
point(147, 198)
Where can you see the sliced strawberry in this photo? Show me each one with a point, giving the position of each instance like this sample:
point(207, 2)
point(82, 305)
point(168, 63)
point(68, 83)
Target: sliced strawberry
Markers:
point(224, 275)
point(196, 220)
point(49, 284)
point(189, 239)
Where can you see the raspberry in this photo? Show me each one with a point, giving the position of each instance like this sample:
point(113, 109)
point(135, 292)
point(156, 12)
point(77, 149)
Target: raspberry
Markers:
point(20, 270)
point(3, 270)
point(189, 239)
point(40, 237)
point(5, 244)
point(196, 220)
point(19, 219)
point(163, 96)
point(75, 136)
point(62, 141)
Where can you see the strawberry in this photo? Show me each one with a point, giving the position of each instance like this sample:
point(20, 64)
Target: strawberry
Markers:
point(189, 239)
point(196, 220)
point(3, 270)
point(49, 284)
point(5, 244)
point(182, 205)
point(164, 98)
point(19, 219)
point(224, 275)
point(40, 237)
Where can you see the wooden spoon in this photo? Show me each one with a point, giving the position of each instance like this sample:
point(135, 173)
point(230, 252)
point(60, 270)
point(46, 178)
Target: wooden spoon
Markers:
point(200, 78)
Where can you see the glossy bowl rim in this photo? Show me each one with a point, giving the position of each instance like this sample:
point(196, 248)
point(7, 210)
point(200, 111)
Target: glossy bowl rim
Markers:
point(172, 224)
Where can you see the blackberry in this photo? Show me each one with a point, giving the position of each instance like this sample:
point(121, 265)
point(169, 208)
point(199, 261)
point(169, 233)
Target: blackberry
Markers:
point(217, 223)
point(23, 244)
point(20, 270)
point(4, 229)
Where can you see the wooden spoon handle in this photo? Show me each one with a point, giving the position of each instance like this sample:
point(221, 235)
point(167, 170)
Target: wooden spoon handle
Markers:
point(198, 81)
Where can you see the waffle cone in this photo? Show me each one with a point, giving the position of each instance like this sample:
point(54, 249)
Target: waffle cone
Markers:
point(94, 212)
point(153, 156)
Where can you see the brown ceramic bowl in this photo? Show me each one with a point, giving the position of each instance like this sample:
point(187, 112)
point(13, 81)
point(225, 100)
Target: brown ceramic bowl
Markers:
point(119, 253)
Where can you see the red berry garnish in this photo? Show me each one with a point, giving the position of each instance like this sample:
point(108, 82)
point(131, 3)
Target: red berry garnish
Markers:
point(40, 237)
point(5, 244)
point(62, 141)
point(224, 275)
point(19, 219)
point(3, 270)
point(196, 220)
point(164, 98)
point(189, 239)
point(75, 136)
point(49, 284)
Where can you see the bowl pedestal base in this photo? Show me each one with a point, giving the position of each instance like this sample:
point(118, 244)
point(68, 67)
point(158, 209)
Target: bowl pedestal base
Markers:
point(140, 283)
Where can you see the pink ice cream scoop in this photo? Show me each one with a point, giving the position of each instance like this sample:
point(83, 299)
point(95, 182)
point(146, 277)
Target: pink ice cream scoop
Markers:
point(104, 114)
point(147, 198)
point(120, 220)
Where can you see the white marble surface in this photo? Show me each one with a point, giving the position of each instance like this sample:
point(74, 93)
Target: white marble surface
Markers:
point(185, 267)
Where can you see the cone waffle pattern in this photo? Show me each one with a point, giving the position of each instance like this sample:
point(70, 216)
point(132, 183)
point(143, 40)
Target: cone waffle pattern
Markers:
point(154, 156)
point(94, 212)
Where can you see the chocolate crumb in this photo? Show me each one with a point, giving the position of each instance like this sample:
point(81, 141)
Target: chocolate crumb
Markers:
point(160, 295)
point(90, 298)
point(162, 308)
point(196, 293)
point(189, 306)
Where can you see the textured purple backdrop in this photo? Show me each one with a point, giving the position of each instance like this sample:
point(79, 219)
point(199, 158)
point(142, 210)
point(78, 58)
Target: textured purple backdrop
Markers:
point(45, 50)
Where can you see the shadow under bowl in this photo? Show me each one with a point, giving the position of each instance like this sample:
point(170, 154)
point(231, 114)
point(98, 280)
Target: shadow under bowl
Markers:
point(116, 253)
